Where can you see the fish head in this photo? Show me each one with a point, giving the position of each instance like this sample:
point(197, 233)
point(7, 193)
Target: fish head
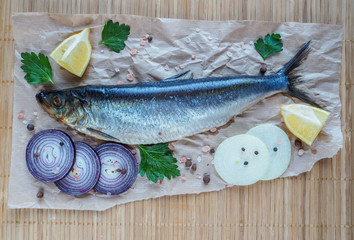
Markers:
point(56, 103)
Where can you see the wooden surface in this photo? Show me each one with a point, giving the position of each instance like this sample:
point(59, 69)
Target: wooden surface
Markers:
point(315, 205)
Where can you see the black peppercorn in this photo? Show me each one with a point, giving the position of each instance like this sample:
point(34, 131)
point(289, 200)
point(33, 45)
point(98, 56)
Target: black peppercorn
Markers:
point(30, 127)
point(298, 143)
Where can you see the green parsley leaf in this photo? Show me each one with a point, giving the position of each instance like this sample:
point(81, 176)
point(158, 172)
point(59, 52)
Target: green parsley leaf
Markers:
point(37, 68)
point(157, 162)
point(114, 35)
point(272, 44)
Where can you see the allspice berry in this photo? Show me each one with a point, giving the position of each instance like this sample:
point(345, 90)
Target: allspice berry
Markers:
point(40, 194)
point(188, 163)
point(263, 70)
point(206, 179)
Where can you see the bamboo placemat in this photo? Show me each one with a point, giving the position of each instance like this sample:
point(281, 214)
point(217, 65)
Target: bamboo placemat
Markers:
point(315, 205)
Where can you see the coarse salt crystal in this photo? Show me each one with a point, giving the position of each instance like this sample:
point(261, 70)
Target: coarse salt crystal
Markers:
point(183, 178)
point(198, 176)
point(181, 66)
point(197, 30)
point(133, 52)
point(242, 44)
point(130, 77)
point(102, 51)
point(130, 71)
point(187, 40)
point(109, 194)
point(251, 43)
point(167, 68)
point(142, 43)
point(210, 38)
point(116, 70)
point(120, 82)
point(35, 113)
point(301, 152)
point(24, 122)
point(194, 57)
point(21, 115)
point(205, 149)
point(199, 158)
point(176, 69)
point(183, 159)
point(171, 147)
point(228, 65)
point(214, 129)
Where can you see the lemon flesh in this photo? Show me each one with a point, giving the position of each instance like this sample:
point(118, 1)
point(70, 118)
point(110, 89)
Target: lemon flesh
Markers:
point(304, 121)
point(74, 53)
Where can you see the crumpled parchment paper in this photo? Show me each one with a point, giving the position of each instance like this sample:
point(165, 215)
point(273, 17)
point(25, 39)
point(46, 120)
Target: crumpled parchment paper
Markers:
point(221, 48)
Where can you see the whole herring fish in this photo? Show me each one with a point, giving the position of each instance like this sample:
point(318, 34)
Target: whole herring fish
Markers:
point(168, 110)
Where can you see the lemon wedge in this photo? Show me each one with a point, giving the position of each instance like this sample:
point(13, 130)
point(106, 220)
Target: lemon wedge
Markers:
point(74, 53)
point(304, 121)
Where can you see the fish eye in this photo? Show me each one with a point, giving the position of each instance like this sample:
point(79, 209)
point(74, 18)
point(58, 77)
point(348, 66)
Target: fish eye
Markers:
point(57, 101)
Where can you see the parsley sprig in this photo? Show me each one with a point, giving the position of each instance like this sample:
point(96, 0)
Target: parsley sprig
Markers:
point(114, 35)
point(157, 162)
point(272, 44)
point(37, 68)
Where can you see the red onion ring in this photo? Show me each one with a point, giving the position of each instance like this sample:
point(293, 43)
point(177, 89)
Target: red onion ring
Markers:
point(119, 169)
point(84, 173)
point(50, 155)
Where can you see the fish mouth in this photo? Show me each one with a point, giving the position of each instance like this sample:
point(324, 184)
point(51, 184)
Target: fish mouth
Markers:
point(40, 97)
point(43, 101)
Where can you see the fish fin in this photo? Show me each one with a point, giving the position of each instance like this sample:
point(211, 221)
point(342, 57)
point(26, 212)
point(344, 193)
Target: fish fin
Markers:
point(295, 79)
point(179, 76)
point(79, 95)
point(102, 134)
point(305, 96)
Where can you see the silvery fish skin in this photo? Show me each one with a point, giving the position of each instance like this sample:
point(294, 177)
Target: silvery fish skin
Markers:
point(156, 112)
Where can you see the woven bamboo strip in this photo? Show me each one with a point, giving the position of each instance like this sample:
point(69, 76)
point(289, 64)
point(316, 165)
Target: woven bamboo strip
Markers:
point(315, 205)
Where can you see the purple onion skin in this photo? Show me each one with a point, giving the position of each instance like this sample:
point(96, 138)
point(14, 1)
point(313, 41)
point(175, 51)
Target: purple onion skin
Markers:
point(115, 157)
point(85, 172)
point(50, 155)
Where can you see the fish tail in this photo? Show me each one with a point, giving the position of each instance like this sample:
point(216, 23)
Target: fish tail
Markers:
point(294, 79)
